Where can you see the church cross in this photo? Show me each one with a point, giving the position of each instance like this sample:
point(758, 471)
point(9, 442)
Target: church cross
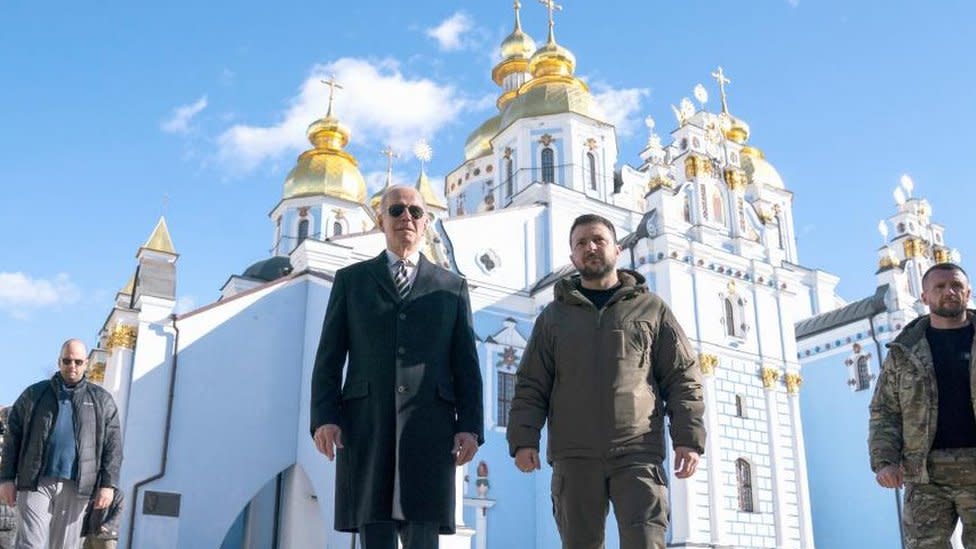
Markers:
point(722, 81)
point(331, 83)
point(551, 6)
point(390, 154)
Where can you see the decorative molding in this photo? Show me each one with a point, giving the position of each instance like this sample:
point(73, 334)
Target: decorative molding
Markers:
point(769, 377)
point(793, 381)
point(546, 140)
point(735, 179)
point(122, 336)
point(592, 144)
point(707, 363)
point(96, 372)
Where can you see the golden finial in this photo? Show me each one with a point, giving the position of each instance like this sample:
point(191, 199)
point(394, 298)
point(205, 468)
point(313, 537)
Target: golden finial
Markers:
point(331, 83)
point(551, 6)
point(719, 75)
point(518, 19)
point(390, 154)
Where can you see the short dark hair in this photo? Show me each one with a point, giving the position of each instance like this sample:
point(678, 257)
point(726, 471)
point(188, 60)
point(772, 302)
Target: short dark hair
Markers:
point(943, 267)
point(589, 219)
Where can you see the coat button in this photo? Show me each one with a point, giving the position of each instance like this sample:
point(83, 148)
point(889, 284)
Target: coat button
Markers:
point(401, 350)
point(402, 389)
point(403, 316)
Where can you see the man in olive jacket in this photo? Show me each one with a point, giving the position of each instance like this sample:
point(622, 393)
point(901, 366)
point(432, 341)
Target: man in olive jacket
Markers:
point(62, 447)
point(923, 414)
point(411, 408)
point(606, 361)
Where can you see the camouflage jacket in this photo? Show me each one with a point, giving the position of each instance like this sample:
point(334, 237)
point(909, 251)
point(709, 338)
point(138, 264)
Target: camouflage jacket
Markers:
point(905, 406)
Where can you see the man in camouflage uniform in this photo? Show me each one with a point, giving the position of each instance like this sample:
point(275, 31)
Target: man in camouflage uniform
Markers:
point(923, 426)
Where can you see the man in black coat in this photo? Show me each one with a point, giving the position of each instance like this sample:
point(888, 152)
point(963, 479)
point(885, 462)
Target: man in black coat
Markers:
point(410, 410)
point(62, 447)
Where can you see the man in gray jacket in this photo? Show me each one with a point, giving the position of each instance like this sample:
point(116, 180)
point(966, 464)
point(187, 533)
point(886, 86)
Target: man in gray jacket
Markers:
point(606, 361)
point(62, 447)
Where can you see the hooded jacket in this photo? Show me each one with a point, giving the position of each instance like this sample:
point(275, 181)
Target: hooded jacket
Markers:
point(604, 379)
point(905, 406)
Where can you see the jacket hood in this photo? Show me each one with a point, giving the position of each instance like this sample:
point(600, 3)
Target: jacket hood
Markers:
point(631, 282)
point(914, 331)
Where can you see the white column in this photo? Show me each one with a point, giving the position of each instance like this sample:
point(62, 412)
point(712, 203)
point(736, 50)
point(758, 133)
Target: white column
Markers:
point(118, 367)
point(769, 377)
point(713, 451)
point(793, 381)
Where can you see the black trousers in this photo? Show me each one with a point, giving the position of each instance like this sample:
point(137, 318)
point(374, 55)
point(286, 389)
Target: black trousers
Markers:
point(414, 535)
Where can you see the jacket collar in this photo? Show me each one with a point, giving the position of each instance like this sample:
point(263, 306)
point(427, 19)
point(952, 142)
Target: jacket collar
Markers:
point(379, 268)
point(631, 284)
point(914, 332)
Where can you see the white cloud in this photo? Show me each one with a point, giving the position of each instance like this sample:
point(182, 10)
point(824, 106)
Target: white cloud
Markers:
point(179, 121)
point(378, 103)
point(19, 292)
point(621, 106)
point(450, 33)
point(793, 3)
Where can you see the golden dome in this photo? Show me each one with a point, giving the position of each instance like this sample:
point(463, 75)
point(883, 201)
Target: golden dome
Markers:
point(326, 169)
point(426, 191)
point(552, 97)
point(517, 45)
point(759, 171)
point(479, 142)
point(552, 60)
point(738, 131)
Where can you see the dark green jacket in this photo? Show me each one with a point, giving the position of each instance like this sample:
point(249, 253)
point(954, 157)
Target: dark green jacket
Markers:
point(905, 406)
point(604, 379)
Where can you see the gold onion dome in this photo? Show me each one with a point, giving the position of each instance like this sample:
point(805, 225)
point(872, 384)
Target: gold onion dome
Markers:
point(517, 45)
point(759, 170)
point(479, 142)
point(738, 131)
point(326, 169)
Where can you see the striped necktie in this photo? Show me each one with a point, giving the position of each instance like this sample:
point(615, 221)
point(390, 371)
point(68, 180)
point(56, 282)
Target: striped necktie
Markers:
point(401, 279)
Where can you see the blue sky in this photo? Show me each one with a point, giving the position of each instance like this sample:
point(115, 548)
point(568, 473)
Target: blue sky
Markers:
point(107, 108)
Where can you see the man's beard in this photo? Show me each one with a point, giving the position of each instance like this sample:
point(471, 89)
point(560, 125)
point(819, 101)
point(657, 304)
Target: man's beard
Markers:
point(596, 272)
point(949, 310)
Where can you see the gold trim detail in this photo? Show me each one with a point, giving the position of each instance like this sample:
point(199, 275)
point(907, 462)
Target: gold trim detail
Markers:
point(122, 336)
point(707, 363)
point(914, 247)
point(942, 255)
point(657, 182)
point(96, 372)
point(769, 377)
point(793, 381)
point(735, 179)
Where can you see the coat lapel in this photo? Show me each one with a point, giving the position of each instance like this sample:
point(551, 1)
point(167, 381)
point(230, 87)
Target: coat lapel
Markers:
point(380, 270)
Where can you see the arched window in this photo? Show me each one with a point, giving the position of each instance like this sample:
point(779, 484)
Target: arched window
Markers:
point(687, 209)
point(863, 373)
point(779, 230)
point(336, 228)
point(740, 406)
point(548, 165)
point(743, 477)
point(302, 230)
point(591, 161)
point(509, 176)
point(730, 323)
point(718, 207)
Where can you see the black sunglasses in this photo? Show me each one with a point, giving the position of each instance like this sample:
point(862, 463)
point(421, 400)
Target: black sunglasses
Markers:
point(76, 361)
point(396, 210)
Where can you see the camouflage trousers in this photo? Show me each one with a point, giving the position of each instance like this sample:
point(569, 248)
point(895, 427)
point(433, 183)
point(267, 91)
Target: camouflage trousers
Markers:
point(932, 509)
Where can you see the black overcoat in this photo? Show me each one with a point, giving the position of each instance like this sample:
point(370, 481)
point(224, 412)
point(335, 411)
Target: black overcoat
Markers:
point(412, 382)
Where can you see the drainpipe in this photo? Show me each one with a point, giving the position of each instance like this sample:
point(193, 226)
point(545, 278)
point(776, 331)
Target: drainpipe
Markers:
point(165, 451)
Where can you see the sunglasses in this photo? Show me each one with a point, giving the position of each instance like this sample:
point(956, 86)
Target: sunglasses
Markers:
point(69, 361)
point(396, 210)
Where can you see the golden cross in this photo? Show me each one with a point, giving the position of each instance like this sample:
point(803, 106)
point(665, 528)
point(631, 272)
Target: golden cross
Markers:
point(551, 6)
point(722, 81)
point(331, 83)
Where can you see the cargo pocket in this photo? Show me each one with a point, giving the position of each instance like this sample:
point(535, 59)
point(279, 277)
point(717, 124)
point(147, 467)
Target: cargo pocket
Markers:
point(557, 491)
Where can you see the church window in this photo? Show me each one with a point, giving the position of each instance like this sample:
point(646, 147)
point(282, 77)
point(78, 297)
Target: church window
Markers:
point(718, 208)
point(336, 229)
point(743, 477)
point(506, 390)
point(901, 228)
point(684, 143)
point(548, 165)
point(740, 406)
point(591, 161)
point(302, 230)
point(729, 318)
point(509, 176)
point(687, 209)
point(779, 232)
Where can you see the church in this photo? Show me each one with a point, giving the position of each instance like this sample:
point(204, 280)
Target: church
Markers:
point(214, 402)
